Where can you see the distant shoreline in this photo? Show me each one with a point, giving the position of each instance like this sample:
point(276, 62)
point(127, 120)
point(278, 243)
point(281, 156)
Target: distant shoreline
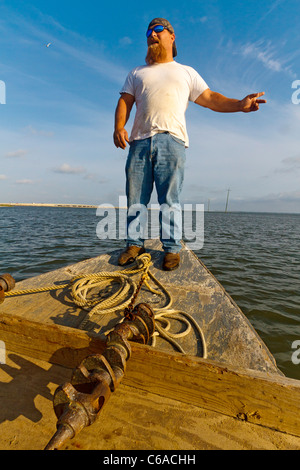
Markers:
point(91, 206)
point(41, 204)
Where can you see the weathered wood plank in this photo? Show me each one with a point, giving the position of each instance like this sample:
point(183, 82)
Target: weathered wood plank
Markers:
point(264, 399)
point(132, 419)
point(52, 343)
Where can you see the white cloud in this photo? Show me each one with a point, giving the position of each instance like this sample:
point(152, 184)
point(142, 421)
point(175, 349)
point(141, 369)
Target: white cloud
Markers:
point(262, 53)
point(288, 201)
point(94, 177)
point(41, 132)
point(16, 153)
point(289, 165)
point(25, 181)
point(266, 53)
point(101, 65)
point(200, 19)
point(125, 41)
point(271, 9)
point(3, 177)
point(68, 169)
point(84, 50)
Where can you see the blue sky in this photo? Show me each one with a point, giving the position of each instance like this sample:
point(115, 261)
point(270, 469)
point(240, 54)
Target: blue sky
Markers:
point(57, 121)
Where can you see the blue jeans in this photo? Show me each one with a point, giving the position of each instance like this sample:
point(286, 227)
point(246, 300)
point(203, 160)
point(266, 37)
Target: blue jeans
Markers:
point(159, 159)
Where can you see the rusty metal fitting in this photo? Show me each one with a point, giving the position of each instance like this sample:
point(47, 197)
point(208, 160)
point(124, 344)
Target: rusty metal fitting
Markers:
point(78, 404)
point(141, 319)
point(7, 283)
point(75, 410)
point(139, 326)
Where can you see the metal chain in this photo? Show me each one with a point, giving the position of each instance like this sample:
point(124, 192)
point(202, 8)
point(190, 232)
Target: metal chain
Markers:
point(128, 310)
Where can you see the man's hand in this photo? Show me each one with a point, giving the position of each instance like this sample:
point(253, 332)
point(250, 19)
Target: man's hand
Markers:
point(123, 109)
point(251, 102)
point(120, 138)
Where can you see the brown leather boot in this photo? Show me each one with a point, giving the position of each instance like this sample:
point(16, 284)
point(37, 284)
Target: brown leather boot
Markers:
point(129, 255)
point(171, 261)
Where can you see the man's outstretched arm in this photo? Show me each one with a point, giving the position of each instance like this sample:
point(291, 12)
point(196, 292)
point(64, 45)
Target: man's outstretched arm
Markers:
point(217, 102)
point(122, 114)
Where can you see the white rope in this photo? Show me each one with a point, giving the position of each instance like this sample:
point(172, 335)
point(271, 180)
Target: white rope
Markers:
point(120, 300)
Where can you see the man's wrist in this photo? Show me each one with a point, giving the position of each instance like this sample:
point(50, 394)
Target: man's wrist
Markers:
point(239, 105)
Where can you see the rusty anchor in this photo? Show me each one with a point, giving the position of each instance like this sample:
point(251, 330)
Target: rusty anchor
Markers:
point(7, 283)
point(79, 403)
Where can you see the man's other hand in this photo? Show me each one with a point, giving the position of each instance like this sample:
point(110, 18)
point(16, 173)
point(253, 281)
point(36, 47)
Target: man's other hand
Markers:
point(120, 138)
point(251, 102)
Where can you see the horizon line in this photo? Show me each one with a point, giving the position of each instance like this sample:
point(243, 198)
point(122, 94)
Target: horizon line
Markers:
point(93, 206)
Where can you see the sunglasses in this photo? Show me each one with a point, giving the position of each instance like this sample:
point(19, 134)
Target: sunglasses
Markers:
point(158, 29)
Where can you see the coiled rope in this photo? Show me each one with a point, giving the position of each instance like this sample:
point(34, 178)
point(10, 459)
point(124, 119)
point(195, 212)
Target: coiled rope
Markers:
point(81, 284)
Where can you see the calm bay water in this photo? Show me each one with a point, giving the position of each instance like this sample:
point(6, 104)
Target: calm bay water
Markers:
point(255, 256)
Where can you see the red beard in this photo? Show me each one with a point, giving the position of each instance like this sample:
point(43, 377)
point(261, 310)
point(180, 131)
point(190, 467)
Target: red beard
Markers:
point(156, 53)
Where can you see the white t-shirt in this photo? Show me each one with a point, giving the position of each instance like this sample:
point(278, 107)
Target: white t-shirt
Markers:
point(162, 93)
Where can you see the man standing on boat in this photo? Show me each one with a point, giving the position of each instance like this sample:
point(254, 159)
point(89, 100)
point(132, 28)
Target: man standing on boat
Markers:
point(162, 90)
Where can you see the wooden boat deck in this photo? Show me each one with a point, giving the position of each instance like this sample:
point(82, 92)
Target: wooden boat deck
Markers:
point(166, 400)
point(229, 336)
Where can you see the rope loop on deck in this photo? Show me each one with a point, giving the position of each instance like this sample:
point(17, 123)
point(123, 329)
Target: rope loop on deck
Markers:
point(81, 285)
